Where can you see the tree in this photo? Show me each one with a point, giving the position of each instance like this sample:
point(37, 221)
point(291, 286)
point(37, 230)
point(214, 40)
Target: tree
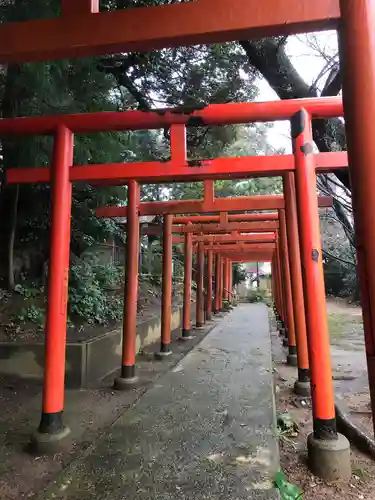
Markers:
point(187, 76)
point(190, 76)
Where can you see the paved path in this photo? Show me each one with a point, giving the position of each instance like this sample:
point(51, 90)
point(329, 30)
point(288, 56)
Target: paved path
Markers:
point(205, 430)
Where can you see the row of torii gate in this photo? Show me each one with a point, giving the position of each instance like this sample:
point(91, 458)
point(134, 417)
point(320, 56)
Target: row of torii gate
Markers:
point(285, 231)
point(83, 31)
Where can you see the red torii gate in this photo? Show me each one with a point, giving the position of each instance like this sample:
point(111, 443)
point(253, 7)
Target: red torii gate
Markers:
point(261, 202)
point(59, 262)
point(82, 31)
point(286, 302)
point(243, 217)
point(234, 237)
point(153, 229)
point(55, 341)
point(188, 230)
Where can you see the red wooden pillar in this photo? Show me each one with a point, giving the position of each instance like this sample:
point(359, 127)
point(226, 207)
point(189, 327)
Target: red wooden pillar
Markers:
point(230, 280)
point(188, 267)
point(166, 299)
point(357, 56)
point(217, 284)
point(302, 385)
point(276, 288)
point(209, 285)
point(280, 280)
point(200, 286)
point(290, 329)
point(221, 281)
point(328, 451)
point(313, 279)
point(51, 429)
point(274, 285)
point(128, 376)
point(225, 277)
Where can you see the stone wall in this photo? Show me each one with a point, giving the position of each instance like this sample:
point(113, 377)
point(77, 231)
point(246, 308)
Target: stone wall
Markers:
point(86, 362)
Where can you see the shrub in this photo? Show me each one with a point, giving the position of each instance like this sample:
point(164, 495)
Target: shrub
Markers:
point(33, 314)
point(90, 296)
point(257, 295)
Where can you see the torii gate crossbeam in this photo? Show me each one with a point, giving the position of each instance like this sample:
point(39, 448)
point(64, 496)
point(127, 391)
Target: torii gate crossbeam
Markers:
point(82, 31)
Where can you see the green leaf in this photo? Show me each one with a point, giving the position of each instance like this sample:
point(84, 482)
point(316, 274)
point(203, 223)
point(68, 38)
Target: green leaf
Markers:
point(288, 491)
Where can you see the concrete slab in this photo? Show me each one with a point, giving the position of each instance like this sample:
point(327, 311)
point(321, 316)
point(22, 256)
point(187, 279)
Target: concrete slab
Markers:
point(205, 430)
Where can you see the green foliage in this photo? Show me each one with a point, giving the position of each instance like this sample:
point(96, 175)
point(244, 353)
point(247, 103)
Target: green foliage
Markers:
point(27, 292)
point(185, 76)
point(33, 314)
point(340, 279)
point(257, 295)
point(90, 297)
point(288, 491)
point(239, 274)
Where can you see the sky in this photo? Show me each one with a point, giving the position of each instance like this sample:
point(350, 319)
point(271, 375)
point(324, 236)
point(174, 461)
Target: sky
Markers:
point(308, 63)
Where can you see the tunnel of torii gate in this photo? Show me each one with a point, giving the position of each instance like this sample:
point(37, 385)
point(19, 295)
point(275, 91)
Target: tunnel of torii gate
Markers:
point(83, 31)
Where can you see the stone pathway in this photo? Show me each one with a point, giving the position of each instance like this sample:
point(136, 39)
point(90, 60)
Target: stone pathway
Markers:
point(205, 430)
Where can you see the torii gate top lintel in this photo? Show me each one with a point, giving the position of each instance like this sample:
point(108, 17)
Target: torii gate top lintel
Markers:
point(83, 31)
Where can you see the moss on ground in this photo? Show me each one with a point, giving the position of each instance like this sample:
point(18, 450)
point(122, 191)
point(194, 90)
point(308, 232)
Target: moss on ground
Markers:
point(341, 324)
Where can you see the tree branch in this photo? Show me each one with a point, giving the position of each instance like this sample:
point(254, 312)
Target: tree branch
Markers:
point(118, 67)
point(331, 256)
point(269, 57)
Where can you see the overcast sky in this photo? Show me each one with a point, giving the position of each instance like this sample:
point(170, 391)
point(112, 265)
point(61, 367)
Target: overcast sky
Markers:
point(308, 64)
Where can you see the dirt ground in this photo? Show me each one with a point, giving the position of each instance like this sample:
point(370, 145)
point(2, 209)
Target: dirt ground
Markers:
point(351, 386)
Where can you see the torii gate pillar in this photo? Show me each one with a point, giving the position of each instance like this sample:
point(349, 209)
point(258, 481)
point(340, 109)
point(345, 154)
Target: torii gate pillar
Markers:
point(217, 283)
point(200, 286)
point(302, 384)
point(357, 56)
point(51, 430)
point(166, 298)
point(129, 335)
point(188, 268)
point(209, 285)
point(328, 451)
point(290, 339)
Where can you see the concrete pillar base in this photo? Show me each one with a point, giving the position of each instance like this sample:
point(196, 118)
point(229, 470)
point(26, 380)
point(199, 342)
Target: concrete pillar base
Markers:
point(292, 360)
point(208, 316)
point(285, 342)
point(302, 389)
point(50, 443)
point(329, 459)
point(199, 328)
point(161, 354)
point(186, 335)
point(124, 384)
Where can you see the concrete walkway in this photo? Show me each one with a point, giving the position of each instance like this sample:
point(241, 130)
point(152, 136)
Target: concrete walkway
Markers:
point(205, 430)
